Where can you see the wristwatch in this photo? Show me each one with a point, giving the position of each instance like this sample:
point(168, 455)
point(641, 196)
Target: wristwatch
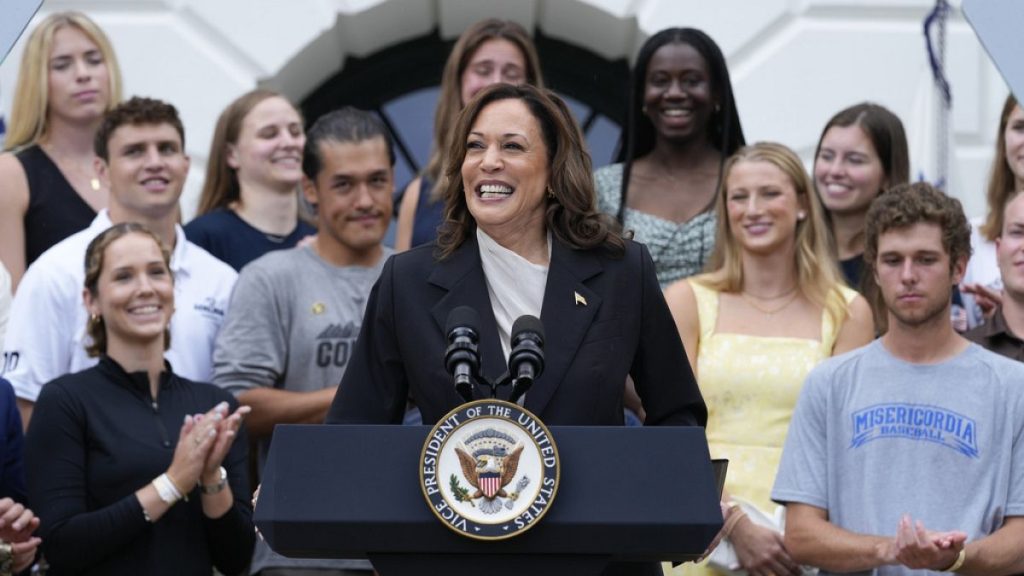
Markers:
point(216, 488)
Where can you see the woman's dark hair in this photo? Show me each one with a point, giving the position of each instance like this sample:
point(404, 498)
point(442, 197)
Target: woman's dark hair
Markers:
point(885, 131)
point(572, 215)
point(725, 131)
point(1002, 183)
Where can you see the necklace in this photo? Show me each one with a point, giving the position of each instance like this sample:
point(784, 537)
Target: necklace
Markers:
point(769, 312)
point(66, 165)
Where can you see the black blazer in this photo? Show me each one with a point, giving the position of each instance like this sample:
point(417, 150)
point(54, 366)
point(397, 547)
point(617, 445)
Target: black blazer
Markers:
point(624, 327)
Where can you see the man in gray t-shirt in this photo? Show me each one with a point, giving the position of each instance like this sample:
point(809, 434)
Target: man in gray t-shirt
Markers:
point(295, 314)
point(907, 456)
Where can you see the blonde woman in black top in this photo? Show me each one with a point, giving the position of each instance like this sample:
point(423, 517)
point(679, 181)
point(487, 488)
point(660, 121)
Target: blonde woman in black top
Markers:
point(68, 79)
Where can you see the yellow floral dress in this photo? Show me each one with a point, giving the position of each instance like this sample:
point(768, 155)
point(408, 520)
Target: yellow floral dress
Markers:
point(751, 385)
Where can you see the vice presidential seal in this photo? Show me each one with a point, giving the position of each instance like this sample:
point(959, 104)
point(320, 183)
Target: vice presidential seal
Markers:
point(489, 470)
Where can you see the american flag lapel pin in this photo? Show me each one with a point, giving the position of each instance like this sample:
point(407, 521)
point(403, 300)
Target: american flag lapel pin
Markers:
point(580, 300)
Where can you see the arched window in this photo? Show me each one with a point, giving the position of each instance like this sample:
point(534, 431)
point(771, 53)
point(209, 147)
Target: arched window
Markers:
point(400, 83)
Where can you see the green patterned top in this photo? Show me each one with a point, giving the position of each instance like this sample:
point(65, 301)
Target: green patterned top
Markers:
point(679, 250)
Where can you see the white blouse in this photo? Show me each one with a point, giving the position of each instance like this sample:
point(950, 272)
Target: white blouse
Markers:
point(515, 285)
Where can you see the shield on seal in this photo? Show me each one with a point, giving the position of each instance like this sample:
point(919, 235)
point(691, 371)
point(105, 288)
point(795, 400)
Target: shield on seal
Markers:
point(490, 483)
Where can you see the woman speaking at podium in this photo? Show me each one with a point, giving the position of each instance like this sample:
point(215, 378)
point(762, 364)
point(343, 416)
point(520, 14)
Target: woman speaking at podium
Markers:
point(522, 236)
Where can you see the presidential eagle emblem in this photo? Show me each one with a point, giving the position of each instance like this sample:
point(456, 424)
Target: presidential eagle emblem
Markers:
point(489, 460)
point(489, 469)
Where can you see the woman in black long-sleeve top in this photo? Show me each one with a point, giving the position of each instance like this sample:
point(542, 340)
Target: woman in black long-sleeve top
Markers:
point(132, 469)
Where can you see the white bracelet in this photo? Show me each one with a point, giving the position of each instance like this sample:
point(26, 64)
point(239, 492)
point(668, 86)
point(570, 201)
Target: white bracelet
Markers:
point(166, 489)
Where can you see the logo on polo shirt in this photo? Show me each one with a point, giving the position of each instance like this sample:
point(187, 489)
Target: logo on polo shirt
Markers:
point(208, 307)
point(918, 422)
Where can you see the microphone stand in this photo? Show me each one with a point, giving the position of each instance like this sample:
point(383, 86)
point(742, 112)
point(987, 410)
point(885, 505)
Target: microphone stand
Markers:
point(481, 381)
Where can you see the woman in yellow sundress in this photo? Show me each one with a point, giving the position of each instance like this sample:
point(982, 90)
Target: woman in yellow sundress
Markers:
point(773, 306)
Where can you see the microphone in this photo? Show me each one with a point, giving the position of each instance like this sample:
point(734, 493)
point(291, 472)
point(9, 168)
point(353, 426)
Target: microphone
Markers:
point(461, 359)
point(526, 361)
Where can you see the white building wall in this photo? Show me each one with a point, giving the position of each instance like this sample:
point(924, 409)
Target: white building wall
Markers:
point(794, 62)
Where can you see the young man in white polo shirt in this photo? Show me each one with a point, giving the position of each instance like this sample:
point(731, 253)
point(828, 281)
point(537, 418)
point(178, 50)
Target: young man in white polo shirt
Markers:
point(140, 149)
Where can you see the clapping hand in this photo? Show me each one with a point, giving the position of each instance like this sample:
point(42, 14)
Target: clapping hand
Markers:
point(202, 444)
point(227, 430)
point(17, 524)
point(918, 548)
point(986, 298)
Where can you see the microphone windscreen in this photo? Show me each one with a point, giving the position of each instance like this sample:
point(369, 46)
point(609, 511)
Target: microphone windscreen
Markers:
point(527, 323)
point(462, 317)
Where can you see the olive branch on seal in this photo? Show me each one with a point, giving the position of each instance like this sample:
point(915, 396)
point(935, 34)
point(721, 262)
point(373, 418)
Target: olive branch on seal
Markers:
point(459, 491)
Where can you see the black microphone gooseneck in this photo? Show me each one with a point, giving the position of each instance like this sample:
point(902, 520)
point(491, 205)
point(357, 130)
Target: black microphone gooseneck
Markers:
point(526, 360)
point(462, 358)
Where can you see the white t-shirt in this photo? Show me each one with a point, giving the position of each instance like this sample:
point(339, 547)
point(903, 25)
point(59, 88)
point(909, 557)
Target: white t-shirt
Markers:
point(46, 334)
